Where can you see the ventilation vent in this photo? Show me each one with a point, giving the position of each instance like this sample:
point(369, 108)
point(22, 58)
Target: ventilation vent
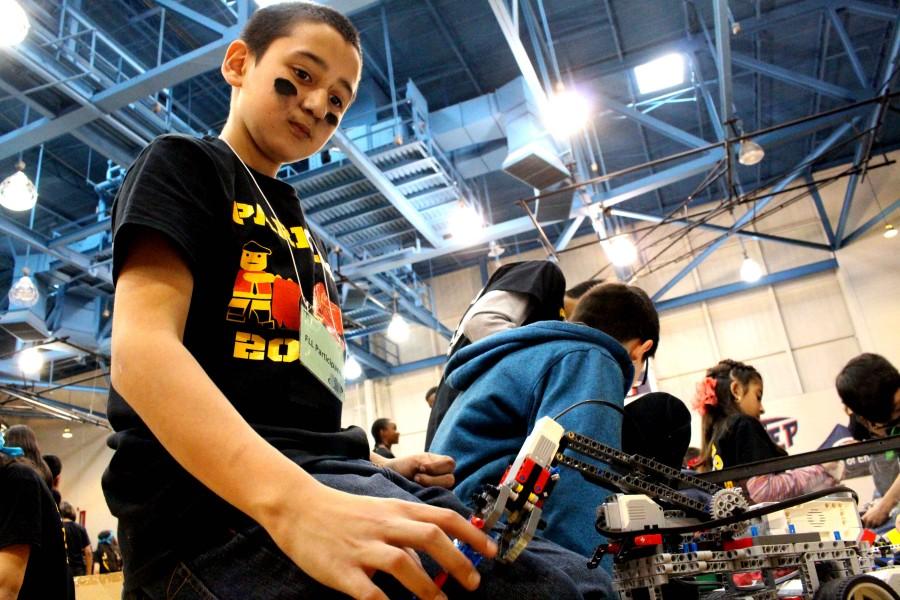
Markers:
point(536, 166)
point(637, 512)
point(544, 450)
point(24, 325)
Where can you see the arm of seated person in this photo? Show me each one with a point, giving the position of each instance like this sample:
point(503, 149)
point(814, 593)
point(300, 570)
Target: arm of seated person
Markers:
point(13, 560)
point(879, 513)
point(781, 486)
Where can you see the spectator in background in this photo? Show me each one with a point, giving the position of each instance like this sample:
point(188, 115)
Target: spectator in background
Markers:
point(517, 294)
point(574, 294)
point(55, 466)
point(32, 550)
point(430, 396)
point(23, 437)
point(109, 558)
point(869, 386)
point(386, 435)
point(78, 544)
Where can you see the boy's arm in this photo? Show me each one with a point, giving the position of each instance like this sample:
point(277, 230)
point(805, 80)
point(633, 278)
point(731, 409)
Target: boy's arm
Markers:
point(881, 510)
point(88, 559)
point(353, 536)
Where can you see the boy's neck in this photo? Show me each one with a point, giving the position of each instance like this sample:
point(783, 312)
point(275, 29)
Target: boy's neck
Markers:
point(242, 143)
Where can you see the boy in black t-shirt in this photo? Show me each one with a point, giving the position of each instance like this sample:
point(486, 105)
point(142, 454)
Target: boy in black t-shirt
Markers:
point(226, 388)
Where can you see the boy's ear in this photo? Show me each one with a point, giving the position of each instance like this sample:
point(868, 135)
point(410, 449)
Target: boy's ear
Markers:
point(237, 61)
point(641, 350)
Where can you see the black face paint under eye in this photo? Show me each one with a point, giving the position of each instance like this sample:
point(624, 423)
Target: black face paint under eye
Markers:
point(283, 87)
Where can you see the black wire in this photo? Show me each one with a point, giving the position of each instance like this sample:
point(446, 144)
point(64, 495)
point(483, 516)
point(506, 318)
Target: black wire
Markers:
point(604, 402)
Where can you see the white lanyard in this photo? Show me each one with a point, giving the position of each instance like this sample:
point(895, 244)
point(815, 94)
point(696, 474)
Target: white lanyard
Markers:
point(312, 241)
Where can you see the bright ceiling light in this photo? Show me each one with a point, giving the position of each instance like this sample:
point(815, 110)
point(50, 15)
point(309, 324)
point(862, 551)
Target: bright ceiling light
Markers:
point(621, 251)
point(750, 153)
point(31, 361)
point(24, 293)
point(67, 433)
point(352, 368)
point(495, 250)
point(661, 73)
point(267, 3)
point(17, 193)
point(398, 329)
point(464, 223)
point(889, 232)
point(14, 23)
point(567, 113)
point(750, 270)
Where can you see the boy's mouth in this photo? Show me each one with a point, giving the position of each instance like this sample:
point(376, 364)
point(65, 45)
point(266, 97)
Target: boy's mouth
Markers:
point(300, 131)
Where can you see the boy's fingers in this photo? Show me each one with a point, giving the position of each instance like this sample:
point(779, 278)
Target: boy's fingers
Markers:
point(431, 539)
point(444, 481)
point(359, 587)
point(398, 563)
point(459, 528)
point(436, 464)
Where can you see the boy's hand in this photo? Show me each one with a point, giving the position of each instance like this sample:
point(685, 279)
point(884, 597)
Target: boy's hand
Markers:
point(426, 469)
point(341, 540)
point(877, 515)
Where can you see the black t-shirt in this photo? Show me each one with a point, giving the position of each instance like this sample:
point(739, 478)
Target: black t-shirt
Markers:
point(382, 451)
point(76, 540)
point(28, 515)
point(544, 284)
point(108, 557)
point(242, 328)
point(744, 441)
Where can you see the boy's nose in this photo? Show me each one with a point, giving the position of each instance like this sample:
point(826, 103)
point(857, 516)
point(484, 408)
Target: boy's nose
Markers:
point(316, 103)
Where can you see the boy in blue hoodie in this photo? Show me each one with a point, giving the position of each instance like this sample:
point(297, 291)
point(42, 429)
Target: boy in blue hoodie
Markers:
point(511, 379)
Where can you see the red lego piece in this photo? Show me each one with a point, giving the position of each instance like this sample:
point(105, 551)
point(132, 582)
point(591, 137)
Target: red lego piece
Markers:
point(653, 539)
point(737, 544)
point(525, 470)
point(868, 536)
point(541, 481)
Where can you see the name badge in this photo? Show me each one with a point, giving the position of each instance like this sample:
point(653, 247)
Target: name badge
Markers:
point(322, 352)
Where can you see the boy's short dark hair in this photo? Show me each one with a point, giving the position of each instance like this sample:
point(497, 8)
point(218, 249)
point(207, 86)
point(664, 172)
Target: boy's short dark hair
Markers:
point(577, 291)
point(66, 510)
point(867, 385)
point(377, 427)
point(268, 24)
point(623, 312)
point(54, 463)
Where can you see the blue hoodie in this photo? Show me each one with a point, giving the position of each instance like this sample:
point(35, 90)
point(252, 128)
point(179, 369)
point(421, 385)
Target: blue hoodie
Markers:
point(511, 379)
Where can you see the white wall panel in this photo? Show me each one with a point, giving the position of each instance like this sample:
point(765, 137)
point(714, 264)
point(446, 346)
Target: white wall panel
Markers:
point(746, 325)
point(684, 343)
point(818, 365)
point(778, 375)
point(814, 310)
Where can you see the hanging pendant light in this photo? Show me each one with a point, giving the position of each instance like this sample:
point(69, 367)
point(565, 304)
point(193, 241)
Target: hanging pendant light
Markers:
point(751, 272)
point(352, 368)
point(31, 361)
point(17, 192)
point(621, 251)
point(24, 292)
point(889, 232)
point(398, 329)
point(14, 23)
point(750, 153)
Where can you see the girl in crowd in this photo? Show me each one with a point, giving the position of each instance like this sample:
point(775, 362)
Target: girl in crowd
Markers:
point(21, 436)
point(32, 551)
point(729, 400)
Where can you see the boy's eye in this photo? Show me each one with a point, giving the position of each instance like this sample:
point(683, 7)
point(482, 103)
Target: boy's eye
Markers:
point(337, 102)
point(303, 75)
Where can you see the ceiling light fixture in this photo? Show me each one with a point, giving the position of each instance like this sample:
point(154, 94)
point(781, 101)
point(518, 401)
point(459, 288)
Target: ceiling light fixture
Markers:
point(567, 113)
point(750, 153)
point(751, 272)
point(398, 329)
point(464, 223)
point(661, 73)
point(352, 368)
point(17, 193)
point(14, 23)
point(24, 292)
point(889, 232)
point(67, 433)
point(621, 251)
point(31, 361)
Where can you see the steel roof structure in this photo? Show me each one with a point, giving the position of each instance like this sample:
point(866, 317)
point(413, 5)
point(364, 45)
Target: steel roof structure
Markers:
point(448, 109)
